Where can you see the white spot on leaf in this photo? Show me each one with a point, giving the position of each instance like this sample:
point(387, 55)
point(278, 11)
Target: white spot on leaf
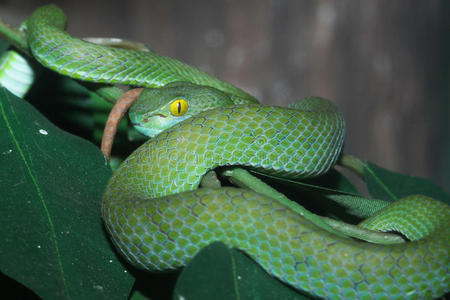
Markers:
point(98, 287)
point(43, 131)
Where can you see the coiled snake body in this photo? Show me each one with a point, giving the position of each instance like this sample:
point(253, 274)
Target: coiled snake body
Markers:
point(159, 218)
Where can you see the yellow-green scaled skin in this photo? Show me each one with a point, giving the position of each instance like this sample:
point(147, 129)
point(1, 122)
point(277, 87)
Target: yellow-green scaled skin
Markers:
point(159, 219)
point(73, 57)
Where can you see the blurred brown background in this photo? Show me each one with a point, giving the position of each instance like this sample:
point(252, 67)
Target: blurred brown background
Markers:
point(385, 63)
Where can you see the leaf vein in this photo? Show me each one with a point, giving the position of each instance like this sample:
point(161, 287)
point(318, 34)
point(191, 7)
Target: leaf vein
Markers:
point(382, 185)
point(36, 185)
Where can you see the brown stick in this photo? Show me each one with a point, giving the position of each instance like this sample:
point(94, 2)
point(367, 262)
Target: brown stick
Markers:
point(115, 115)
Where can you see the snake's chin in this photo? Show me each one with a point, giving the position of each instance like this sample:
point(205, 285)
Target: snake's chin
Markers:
point(148, 132)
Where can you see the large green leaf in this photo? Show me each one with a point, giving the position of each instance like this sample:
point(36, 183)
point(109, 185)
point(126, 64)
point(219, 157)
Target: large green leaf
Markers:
point(218, 272)
point(51, 184)
point(390, 186)
point(3, 46)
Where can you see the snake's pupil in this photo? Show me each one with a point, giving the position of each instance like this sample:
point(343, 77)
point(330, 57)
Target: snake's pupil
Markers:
point(179, 107)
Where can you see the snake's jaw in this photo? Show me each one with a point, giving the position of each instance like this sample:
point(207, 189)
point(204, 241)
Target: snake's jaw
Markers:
point(154, 124)
point(149, 126)
point(147, 131)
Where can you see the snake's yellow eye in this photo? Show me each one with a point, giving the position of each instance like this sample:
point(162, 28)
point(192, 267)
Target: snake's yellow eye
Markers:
point(178, 107)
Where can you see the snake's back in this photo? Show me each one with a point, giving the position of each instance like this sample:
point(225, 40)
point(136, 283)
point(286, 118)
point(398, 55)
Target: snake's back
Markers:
point(83, 60)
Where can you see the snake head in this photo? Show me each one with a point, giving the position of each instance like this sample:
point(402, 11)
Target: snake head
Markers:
point(158, 109)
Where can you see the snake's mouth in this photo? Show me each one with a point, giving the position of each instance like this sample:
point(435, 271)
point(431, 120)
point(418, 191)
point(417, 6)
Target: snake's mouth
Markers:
point(156, 115)
point(152, 118)
point(146, 120)
point(150, 125)
point(147, 131)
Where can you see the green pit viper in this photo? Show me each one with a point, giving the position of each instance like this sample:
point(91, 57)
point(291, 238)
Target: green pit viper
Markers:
point(159, 218)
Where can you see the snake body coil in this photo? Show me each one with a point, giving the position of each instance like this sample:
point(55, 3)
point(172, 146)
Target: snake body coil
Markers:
point(83, 60)
point(158, 218)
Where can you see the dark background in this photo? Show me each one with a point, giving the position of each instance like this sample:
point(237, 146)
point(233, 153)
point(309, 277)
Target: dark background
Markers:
point(384, 63)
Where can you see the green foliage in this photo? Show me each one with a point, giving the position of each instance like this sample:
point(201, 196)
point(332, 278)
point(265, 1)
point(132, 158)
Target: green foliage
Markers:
point(391, 186)
point(233, 276)
point(52, 182)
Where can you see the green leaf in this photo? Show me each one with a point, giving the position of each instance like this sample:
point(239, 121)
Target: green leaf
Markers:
point(331, 195)
point(390, 186)
point(3, 45)
point(153, 285)
point(218, 272)
point(52, 236)
point(332, 182)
